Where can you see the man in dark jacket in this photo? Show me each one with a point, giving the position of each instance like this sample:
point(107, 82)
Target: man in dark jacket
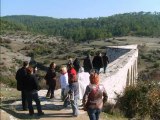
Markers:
point(97, 62)
point(87, 64)
point(76, 64)
point(105, 61)
point(31, 89)
point(20, 77)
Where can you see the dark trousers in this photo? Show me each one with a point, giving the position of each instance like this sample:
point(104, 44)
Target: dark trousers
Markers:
point(33, 96)
point(24, 100)
point(93, 113)
point(52, 86)
point(105, 66)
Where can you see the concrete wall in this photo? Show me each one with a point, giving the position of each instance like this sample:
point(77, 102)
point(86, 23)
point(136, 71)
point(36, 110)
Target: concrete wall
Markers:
point(121, 72)
point(115, 53)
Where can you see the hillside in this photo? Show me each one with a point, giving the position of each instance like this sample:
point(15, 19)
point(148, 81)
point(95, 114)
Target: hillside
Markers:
point(141, 24)
point(45, 39)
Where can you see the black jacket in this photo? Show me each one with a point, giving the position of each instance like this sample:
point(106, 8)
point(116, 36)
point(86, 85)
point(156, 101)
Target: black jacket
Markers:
point(51, 77)
point(87, 64)
point(97, 62)
point(31, 83)
point(20, 77)
point(76, 64)
point(105, 60)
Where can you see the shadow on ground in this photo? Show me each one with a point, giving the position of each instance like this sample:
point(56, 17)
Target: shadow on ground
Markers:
point(17, 112)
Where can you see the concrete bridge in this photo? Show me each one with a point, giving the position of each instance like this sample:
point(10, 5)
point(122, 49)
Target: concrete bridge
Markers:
point(121, 71)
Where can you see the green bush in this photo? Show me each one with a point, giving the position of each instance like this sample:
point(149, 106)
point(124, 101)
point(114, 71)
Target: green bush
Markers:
point(156, 65)
point(141, 100)
point(8, 81)
point(46, 61)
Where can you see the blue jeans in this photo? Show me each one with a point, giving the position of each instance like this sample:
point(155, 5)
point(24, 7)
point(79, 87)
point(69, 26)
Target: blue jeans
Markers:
point(74, 104)
point(93, 113)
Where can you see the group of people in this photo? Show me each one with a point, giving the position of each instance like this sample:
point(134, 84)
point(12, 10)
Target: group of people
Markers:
point(98, 62)
point(27, 83)
point(77, 83)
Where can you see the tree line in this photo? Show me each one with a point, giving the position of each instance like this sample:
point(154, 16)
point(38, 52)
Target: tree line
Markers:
point(135, 23)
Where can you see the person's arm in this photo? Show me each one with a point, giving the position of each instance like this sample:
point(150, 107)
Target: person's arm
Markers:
point(85, 96)
point(66, 79)
point(37, 87)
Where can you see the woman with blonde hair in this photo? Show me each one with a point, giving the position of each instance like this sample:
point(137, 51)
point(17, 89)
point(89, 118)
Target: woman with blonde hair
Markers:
point(63, 80)
point(95, 96)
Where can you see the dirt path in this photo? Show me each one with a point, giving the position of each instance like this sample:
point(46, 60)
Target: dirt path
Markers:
point(53, 109)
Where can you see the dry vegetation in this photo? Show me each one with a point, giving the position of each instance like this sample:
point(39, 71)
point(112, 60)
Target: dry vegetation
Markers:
point(43, 49)
point(20, 46)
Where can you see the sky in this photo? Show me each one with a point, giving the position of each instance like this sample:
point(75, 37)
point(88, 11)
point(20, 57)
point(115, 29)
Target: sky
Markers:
point(77, 8)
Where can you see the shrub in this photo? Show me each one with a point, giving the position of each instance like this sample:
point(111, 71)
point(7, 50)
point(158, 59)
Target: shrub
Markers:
point(18, 61)
point(8, 81)
point(46, 61)
point(141, 100)
point(156, 65)
point(154, 103)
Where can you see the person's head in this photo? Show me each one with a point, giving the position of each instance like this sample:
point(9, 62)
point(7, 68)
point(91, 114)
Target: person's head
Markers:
point(94, 71)
point(63, 69)
point(52, 65)
point(105, 54)
point(81, 69)
point(70, 60)
point(25, 64)
point(70, 65)
point(29, 70)
point(94, 78)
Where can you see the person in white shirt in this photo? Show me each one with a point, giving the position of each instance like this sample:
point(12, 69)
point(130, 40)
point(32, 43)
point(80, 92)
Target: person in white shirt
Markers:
point(63, 80)
point(83, 80)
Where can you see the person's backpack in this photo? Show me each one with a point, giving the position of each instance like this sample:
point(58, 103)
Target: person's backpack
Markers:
point(90, 96)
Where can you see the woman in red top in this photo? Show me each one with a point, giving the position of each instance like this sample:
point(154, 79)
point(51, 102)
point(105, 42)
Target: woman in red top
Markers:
point(71, 72)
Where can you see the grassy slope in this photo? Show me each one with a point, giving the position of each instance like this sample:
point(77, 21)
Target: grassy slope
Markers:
point(151, 44)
